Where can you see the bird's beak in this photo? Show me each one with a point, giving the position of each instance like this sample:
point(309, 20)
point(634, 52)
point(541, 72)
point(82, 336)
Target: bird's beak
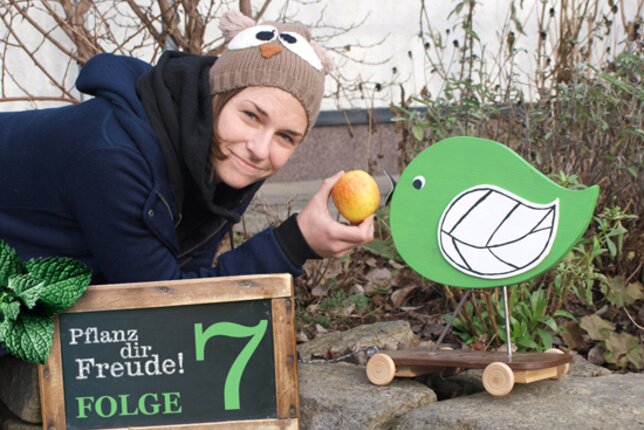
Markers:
point(270, 50)
point(392, 182)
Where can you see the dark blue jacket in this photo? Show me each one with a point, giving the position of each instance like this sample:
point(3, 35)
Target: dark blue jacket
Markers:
point(89, 181)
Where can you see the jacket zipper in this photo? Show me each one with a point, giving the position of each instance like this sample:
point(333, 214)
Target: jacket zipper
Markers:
point(167, 205)
point(210, 236)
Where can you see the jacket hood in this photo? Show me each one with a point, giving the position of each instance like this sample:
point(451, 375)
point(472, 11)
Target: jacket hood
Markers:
point(113, 77)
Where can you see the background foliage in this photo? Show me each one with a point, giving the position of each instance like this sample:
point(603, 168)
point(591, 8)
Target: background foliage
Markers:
point(576, 115)
point(579, 120)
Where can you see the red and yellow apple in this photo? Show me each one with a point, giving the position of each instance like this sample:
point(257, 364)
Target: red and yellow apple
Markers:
point(356, 195)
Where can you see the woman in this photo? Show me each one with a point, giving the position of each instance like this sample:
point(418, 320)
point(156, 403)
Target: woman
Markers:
point(143, 181)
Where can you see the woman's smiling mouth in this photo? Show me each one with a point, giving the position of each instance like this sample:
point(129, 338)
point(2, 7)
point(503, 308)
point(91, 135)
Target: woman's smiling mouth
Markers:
point(246, 165)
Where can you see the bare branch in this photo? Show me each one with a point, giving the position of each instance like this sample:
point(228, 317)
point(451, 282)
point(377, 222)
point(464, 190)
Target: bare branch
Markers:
point(73, 27)
point(35, 60)
point(195, 26)
point(262, 10)
point(45, 33)
point(169, 14)
point(79, 29)
point(245, 7)
point(147, 23)
point(39, 99)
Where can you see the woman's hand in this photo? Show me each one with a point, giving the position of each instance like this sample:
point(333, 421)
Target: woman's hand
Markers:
point(326, 236)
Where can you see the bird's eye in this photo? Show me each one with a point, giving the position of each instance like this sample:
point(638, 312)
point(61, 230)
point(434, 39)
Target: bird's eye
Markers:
point(265, 36)
point(288, 38)
point(253, 36)
point(297, 44)
point(418, 182)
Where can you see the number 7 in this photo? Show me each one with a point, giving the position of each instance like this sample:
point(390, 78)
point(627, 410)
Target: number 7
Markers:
point(233, 379)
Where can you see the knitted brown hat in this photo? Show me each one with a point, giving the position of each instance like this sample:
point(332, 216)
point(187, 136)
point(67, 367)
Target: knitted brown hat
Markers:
point(273, 55)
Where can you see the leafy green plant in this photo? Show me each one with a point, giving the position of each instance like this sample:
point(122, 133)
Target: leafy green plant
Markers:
point(361, 301)
point(567, 181)
point(334, 302)
point(580, 272)
point(610, 229)
point(31, 294)
point(621, 293)
point(383, 243)
point(577, 274)
point(532, 328)
point(306, 319)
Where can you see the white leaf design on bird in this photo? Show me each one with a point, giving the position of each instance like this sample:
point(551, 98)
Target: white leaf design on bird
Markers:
point(489, 232)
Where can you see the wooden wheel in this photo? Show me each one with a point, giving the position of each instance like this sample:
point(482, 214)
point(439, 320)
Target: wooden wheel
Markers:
point(498, 379)
point(562, 370)
point(381, 369)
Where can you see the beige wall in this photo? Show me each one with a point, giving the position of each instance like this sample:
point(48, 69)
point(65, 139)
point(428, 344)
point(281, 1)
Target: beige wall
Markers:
point(329, 149)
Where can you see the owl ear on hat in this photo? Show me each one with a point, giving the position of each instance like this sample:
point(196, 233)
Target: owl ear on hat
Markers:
point(232, 22)
point(327, 62)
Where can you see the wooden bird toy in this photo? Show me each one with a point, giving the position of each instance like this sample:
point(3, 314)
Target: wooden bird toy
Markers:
point(471, 213)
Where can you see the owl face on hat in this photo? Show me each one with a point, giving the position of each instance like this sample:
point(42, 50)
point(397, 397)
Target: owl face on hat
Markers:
point(279, 55)
point(271, 41)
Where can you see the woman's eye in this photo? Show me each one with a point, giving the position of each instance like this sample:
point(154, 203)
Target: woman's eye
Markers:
point(286, 138)
point(418, 182)
point(250, 115)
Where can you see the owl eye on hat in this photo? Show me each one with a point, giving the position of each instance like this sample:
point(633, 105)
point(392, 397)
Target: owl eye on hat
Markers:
point(273, 54)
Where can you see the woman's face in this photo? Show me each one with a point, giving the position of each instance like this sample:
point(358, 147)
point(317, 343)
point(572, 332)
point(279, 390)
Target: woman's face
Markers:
point(258, 130)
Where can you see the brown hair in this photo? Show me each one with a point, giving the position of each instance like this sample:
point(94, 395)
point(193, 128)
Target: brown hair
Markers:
point(219, 100)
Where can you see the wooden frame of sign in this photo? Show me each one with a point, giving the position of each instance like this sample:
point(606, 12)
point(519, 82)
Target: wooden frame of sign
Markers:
point(145, 313)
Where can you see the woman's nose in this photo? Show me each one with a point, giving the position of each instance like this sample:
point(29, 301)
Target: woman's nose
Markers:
point(259, 145)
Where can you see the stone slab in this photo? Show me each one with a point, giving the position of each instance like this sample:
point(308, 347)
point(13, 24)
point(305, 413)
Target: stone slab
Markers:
point(19, 388)
point(339, 396)
point(608, 402)
point(386, 334)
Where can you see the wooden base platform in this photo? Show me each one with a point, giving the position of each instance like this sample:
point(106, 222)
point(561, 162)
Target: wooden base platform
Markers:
point(499, 375)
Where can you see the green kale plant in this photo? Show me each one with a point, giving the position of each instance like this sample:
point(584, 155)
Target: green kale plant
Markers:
point(31, 294)
point(482, 319)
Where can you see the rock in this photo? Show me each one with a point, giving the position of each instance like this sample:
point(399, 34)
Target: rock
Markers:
point(19, 388)
point(613, 401)
point(425, 344)
point(339, 396)
point(582, 367)
point(389, 334)
point(596, 356)
point(301, 337)
point(19, 425)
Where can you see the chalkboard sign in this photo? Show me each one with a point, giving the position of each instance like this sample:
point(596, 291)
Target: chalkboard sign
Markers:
point(205, 353)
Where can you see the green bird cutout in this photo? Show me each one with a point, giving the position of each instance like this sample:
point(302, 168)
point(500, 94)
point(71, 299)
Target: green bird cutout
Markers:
point(470, 212)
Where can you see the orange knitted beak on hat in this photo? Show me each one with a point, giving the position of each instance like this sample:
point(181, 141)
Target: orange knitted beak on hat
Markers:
point(270, 50)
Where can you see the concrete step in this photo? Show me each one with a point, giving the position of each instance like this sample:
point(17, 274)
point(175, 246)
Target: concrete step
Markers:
point(276, 201)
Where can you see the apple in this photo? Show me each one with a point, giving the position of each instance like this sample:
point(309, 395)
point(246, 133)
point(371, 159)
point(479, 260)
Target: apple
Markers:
point(356, 195)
